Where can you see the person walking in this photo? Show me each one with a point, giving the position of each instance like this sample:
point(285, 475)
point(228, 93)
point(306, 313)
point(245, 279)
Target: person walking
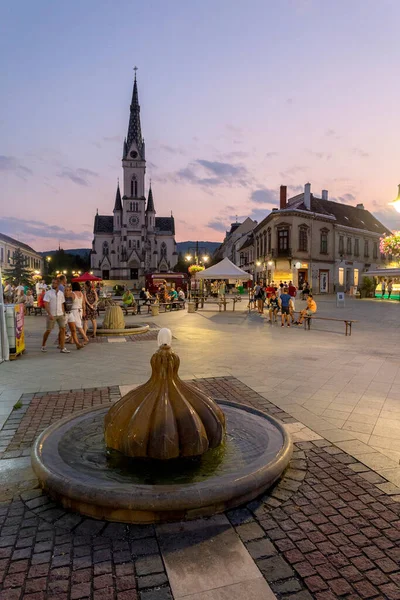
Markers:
point(390, 287)
point(383, 288)
point(292, 293)
point(90, 311)
point(285, 302)
point(54, 304)
point(69, 313)
point(78, 310)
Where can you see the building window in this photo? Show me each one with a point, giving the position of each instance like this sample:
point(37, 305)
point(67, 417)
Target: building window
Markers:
point(269, 241)
point(8, 257)
point(348, 247)
point(134, 187)
point(356, 247)
point(356, 277)
point(341, 276)
point(375, 251)
point(341, 244)
point(324, 243)
point(130, 243)
point(264, 252)
point(163, 251)
point(366, 249)
point(302, 239)
point(283, 239)
point(105, 248)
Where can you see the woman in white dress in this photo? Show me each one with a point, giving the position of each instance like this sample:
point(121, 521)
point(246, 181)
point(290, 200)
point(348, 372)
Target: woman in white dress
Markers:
point(78, 308)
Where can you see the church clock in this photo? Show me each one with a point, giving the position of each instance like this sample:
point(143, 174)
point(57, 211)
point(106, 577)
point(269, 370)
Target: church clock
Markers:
point(134, 220)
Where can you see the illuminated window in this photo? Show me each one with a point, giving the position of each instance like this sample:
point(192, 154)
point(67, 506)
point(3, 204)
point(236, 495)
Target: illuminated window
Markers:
point(341, 276)
point(356, 277)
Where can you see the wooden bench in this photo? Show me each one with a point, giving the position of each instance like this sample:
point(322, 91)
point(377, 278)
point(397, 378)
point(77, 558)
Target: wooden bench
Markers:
point(347, 322)
point(221, 303)
point(174, 304)
point(130, 309)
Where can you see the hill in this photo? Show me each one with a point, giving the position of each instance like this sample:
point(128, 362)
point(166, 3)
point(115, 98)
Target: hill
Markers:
point(82, 252)
point(188, 247)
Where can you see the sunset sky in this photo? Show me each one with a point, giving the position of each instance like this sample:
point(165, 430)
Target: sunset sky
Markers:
point(236, 99)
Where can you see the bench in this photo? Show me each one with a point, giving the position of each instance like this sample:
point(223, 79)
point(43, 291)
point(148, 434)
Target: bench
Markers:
point(347, 322)
point(130, 309)
point(221, 303)
point(173, 304)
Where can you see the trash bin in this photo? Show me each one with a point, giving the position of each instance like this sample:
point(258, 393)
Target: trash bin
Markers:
point(191, 307)
point(155, 310)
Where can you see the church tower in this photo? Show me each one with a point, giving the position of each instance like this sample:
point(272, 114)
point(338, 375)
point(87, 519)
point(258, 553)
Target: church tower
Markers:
point(134, 167)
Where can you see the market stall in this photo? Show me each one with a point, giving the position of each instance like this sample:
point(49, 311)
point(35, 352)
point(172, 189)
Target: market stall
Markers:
point(224, 271)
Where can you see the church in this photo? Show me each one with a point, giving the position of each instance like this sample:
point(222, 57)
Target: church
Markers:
point(133, 241)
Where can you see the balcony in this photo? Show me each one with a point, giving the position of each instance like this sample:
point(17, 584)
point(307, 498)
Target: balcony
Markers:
point(281, 252)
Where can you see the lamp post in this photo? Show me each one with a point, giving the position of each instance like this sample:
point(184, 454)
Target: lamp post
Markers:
point(48, 261)
point(198, 260)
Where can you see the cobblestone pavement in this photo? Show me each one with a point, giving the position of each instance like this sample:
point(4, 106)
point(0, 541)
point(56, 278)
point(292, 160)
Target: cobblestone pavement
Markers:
point(327, 530)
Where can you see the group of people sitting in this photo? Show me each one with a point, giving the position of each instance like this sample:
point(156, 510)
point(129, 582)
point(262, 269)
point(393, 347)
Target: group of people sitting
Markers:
point(163, 295)
point(282, 299)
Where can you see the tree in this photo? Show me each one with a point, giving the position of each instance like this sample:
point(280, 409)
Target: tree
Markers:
point(182, 265)
point(18, 271)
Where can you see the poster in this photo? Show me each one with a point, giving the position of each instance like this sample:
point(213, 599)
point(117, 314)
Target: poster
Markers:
point(19, 328)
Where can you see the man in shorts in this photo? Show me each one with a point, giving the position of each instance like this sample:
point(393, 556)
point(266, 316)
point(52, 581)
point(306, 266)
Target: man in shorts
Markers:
point(54, 305)
point(285, 304)
point(309, 311)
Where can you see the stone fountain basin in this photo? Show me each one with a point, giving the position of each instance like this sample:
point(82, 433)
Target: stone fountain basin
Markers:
point(70, 461)
point(128, 330)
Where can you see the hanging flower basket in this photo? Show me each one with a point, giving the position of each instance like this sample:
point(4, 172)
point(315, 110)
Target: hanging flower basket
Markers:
point(193, 269)
point(390, 244)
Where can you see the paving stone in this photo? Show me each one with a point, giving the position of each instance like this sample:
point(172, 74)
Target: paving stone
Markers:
point(261, 548)
point(147, 565)
point(150, 581)
point(156, 594)
point(274, 568)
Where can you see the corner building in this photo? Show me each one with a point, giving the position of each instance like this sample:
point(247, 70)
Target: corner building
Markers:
point(313, 239)
point(133, 241)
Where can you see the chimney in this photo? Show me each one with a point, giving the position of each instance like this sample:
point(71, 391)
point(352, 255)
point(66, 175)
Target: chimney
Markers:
point(360, 206)
point(283, 197)
point(307, 196)
point(324, 194)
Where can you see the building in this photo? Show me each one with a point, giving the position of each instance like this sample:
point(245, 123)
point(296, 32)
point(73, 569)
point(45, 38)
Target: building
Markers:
point(133, 241)
point(326, 243)
point(233, 240)
point(9, 245)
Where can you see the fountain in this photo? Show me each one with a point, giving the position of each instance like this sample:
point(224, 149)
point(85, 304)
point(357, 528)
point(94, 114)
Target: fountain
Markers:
point(114, 322)
point(165, 451)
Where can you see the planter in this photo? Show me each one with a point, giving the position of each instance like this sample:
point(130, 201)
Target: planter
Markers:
point(155, 310)
point(191, 307)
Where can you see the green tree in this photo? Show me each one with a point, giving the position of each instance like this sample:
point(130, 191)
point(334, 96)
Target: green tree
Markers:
point(182, 264)
point(18, 272)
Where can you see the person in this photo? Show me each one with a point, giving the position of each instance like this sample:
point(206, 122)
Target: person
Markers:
point(285, 303)
point(30, 302)
point(62, 282)
point(273, 307)
point(8, 293)
point(78, 310)
point(259, 296)
point(309, 311)
point(306, 290)
point(173, 296)
point(383, 288)
point(127, 299)
point(292, 293)
point(40, 300)
point(54, 304)
point(69, 313)
point(90, 310)
point(181, 295)
point(390, 287)
point(20, 297)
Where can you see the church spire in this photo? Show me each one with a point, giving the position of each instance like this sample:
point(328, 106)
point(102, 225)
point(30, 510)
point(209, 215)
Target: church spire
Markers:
point(134, 127)
point(150, 201)
point(118, 203)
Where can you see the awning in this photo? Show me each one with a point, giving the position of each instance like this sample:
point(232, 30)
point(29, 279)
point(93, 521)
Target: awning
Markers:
point(390, 272)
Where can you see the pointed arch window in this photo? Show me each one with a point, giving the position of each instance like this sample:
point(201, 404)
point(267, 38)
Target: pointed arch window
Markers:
point(163, 250)
point(134, 186)
point(105, 249)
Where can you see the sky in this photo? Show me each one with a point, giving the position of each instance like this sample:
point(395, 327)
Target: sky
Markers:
point(236, 99)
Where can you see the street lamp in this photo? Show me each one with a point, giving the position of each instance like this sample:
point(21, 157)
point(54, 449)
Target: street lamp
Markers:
point(396, 203)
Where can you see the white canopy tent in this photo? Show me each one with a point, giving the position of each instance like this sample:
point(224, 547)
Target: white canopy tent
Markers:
point(225, 269)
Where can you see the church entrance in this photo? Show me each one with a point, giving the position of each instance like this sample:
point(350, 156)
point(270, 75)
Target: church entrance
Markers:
point(134, 273)
point(105, 274)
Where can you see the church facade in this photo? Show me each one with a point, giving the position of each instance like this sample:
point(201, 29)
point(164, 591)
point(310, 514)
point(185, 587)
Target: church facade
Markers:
point(133, 241)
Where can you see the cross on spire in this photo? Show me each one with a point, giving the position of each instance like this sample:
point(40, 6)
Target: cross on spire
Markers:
point(135, 69)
